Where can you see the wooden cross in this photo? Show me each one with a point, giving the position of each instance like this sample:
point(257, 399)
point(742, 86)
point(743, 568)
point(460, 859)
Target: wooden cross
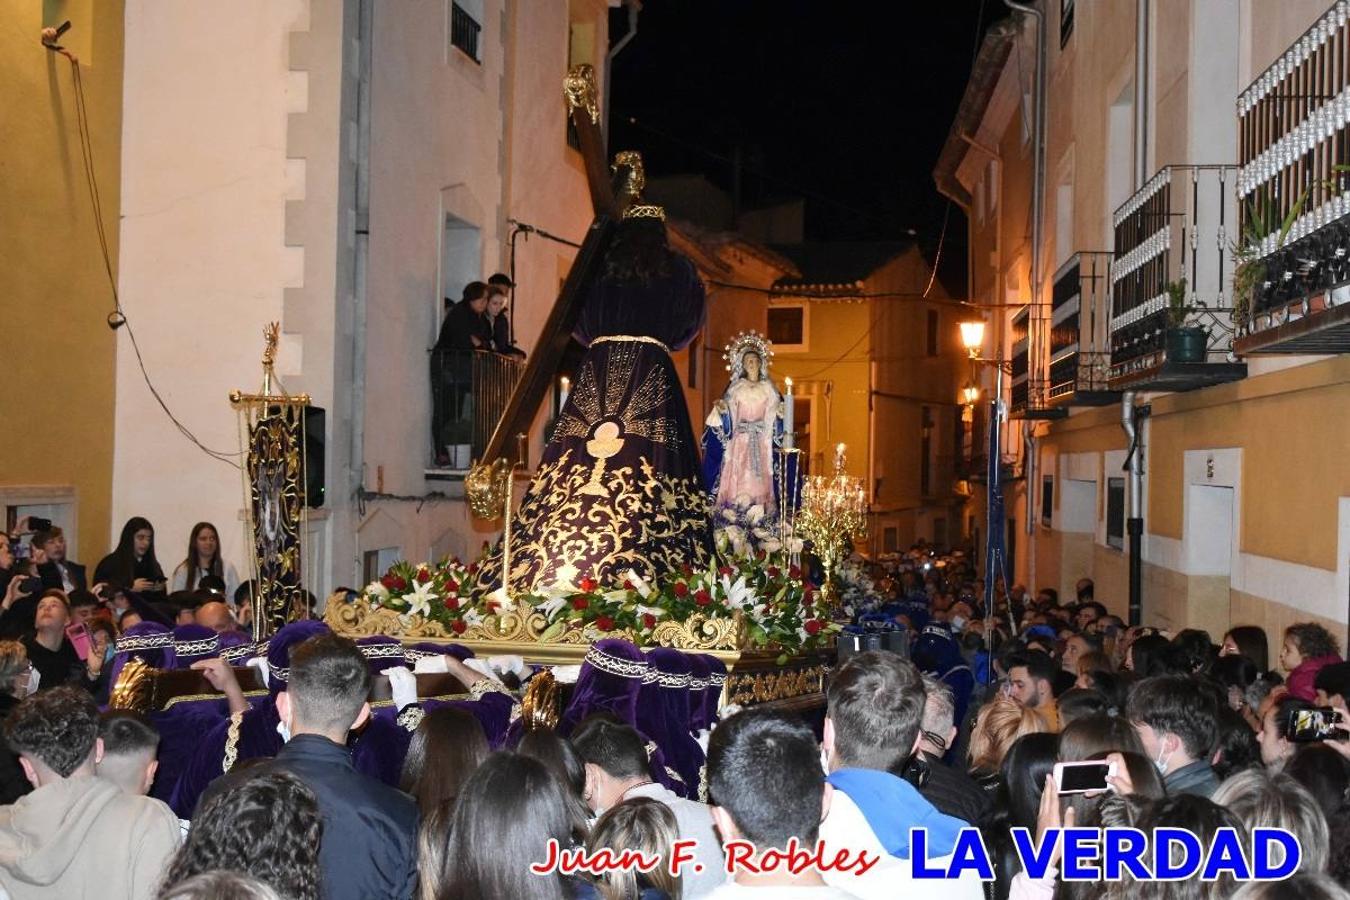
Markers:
point(611, 194)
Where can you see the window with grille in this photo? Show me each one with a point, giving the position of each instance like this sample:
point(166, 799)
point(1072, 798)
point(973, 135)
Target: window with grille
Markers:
point(464, 31)
point(1115, 513)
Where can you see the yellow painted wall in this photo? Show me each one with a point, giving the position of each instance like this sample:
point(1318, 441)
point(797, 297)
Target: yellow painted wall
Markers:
point(1293, 429)
point(57, 404)
point(836, 359)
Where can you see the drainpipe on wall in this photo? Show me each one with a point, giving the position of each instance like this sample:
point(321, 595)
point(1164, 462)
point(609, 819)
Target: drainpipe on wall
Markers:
point(1037, 247)
point(360, 260)
point(1134, 463)
point(1141, 172)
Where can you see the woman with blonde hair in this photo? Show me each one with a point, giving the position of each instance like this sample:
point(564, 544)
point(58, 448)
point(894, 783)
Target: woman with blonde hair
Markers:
point(647, 826)
point(1000, 722)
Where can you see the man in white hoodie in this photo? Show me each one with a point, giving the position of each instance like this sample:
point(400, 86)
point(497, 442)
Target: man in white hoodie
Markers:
point(874, 708)
point(76, 835)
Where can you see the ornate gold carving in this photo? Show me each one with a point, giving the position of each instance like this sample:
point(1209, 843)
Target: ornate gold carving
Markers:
point(514, 631)
point(744, 689)
point(541, 705)
point(645, 211)
point(580, 91)
point(135, 688)
point(636, 182)
point(486, 488)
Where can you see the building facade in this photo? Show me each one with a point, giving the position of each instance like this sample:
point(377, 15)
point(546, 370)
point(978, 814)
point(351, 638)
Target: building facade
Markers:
point(1161, 212)
point(869, 338)
point(337, 166)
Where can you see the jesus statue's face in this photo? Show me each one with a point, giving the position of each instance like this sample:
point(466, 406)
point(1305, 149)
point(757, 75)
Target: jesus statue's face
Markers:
point(752, 364)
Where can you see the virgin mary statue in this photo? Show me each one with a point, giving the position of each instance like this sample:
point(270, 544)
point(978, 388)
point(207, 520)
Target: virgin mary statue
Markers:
point(618, 487)
point(739, 463)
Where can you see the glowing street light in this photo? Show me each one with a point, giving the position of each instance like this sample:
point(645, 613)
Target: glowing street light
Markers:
point(972, 337)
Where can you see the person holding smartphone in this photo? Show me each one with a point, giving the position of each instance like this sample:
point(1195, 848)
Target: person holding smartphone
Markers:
point(61, 654)
point(133, 562)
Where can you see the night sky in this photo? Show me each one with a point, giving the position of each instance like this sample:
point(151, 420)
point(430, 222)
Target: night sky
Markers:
point(845, 104)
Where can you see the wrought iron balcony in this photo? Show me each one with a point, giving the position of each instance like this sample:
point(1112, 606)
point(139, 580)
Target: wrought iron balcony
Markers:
point(1293, 283)
point(469, 393)
point(1080, 307)
point(1171, 323)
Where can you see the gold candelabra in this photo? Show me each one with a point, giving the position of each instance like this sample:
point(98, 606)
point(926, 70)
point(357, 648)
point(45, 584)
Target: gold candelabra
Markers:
point(833, 515)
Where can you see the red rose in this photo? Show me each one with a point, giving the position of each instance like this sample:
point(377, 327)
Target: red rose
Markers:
point(795, 572)
point(703, 598)
point(587, 584)
point(579, 603)
point(452, 585)
point(774, 572)
point(423, 576)
point(399, 583)
point(813, 626)
point(681, 589)
point(628, 585)
point(451, 603)
point(808, 586)
point(649, 621)
point(725, 570)
point(604, 623)
point(458, 626)
point(388, 582)
point(761, 555)
point(473, 568)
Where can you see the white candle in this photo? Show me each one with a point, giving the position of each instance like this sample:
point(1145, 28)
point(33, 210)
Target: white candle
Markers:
point(839, 458)
point(564, 387)
point(788, 414)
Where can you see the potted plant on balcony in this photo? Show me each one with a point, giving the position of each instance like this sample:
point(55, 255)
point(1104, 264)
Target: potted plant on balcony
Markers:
point(1185, 343)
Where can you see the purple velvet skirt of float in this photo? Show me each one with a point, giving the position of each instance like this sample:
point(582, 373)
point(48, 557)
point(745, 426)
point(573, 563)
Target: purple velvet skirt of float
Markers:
point(618, 487)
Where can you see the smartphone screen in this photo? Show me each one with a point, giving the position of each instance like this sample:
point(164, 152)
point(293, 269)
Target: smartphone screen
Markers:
point(1307, 725)
point(79, 639)
point(1079, 777)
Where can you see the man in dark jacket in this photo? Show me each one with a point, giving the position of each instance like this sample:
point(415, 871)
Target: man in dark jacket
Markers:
point(369, 844)
point(1177, 720)
point(464, 331)
point(951, 790)
point(58, 572)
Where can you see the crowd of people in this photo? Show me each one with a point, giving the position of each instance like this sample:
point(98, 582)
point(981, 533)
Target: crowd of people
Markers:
point(643, 783)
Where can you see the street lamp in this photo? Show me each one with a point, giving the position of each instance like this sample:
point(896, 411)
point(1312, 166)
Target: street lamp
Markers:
point(995, 558)
point(972, 337)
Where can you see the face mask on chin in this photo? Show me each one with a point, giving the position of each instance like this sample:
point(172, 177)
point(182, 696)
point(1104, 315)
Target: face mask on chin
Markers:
point(34, 678)
point(1161, 762)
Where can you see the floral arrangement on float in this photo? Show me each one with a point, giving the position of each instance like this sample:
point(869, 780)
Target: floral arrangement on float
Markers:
point(770, 600)
point(858, 592)
point(435, 593)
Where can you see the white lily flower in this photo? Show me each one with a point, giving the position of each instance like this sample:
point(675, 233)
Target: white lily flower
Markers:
point(755, 513)
point(655, 611)
point(795, 545)
point(616, 596)
point(770, 545)
point(419, 601)
point(377, 591)
point(472, 617)
point(639, 584)
point(738, 595)
point(551, 606)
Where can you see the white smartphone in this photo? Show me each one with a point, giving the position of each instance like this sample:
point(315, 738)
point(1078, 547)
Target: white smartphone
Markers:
point(1082, 777)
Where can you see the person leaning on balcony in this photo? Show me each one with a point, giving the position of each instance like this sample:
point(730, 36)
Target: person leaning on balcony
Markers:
point(499, 290)
point(465, 326)
point(464, 331)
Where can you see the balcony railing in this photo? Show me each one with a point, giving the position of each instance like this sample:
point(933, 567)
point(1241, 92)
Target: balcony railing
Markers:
point(469, 393)
point(1172, 267)
point(1079, 309)
point(1020, 368)
point(1294, 137)
point(464, 31)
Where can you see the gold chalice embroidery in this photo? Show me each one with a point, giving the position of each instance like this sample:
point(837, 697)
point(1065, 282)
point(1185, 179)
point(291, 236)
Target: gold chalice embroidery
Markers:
point(602, 446)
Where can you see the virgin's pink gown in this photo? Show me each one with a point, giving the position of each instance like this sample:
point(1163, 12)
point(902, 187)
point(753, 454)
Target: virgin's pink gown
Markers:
point(747, 467)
